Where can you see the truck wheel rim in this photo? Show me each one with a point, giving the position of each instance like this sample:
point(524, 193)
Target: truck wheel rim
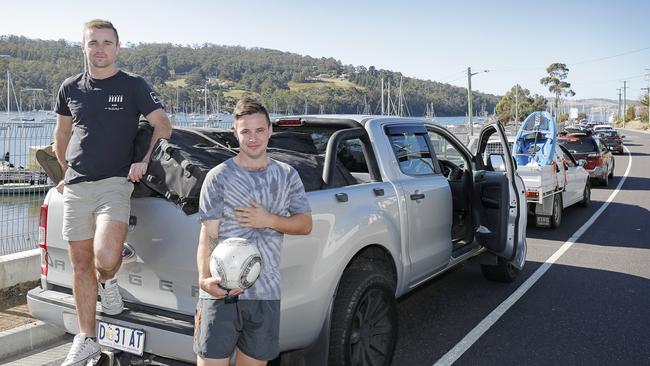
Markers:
point(370, 336)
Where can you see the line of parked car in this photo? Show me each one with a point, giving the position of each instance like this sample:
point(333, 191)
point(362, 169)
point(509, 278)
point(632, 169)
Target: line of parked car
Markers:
point(596, 144)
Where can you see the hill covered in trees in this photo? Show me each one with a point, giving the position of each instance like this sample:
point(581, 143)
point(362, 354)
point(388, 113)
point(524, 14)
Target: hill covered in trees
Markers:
point(285, 82)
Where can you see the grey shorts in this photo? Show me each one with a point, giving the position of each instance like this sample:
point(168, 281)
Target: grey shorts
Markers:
point(86, 203)
point(253, 326)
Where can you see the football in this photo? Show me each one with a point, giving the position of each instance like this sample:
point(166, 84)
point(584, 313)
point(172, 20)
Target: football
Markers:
point(237, 262)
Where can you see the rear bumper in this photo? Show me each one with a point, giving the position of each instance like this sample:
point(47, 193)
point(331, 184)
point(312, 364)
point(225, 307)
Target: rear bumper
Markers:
point(598, 172)
point(166, 334)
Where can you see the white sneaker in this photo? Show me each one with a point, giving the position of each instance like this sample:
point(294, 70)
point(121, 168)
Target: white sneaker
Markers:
point(112, 303)
point(83, 350)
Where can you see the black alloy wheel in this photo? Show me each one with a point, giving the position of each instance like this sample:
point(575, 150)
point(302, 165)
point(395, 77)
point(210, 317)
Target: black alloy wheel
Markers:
point(364, 320)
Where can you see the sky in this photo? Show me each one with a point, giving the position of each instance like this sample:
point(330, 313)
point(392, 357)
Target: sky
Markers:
point(603, 43)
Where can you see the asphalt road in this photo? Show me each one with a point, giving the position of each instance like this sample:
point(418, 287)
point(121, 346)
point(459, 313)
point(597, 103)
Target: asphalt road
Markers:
point(592, 306)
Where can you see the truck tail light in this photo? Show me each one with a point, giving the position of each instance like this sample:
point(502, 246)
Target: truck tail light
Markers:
point(42, 240)
point(534, 195)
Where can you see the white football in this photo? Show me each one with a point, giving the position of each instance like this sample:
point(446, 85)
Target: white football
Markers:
point(237, 262)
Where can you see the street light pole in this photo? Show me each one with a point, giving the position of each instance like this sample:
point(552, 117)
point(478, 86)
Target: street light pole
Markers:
point(469, 98)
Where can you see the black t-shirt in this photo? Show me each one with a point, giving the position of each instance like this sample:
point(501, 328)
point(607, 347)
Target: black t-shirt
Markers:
point(105, 115)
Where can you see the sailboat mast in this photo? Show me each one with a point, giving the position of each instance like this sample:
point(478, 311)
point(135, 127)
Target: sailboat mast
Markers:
point(382, 97)
point(8, 97)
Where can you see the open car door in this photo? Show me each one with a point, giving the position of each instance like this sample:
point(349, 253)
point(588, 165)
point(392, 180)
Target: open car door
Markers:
point(500, 205)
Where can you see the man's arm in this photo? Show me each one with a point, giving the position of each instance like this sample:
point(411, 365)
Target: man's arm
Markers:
point(62, 134)
point(258, 217)
point(207, 242)
point(162, 129)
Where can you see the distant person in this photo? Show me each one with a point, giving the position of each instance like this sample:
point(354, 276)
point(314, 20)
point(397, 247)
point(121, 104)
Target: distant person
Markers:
point(96, 124)
point(260, 199)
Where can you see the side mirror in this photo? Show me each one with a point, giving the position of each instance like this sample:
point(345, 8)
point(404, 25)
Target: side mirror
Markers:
point(497, 163)
point(582, 162)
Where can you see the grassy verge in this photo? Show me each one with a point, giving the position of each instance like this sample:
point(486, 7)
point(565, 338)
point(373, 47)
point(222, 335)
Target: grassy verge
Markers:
point(323, 83)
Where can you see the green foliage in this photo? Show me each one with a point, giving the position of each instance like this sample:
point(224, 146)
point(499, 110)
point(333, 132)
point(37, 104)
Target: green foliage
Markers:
point(557, 72)
point(562, 117)
point(630, 113)
point(179, 73)
point(517, 104)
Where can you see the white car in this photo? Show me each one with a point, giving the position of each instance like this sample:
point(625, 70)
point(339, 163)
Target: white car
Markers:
point(598, 128)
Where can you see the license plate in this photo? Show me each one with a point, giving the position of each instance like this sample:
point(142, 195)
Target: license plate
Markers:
point(543, 220)
point(121, 338)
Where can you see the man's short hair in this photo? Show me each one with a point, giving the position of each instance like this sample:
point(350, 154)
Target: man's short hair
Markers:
point(247, 106)
point(100, 24)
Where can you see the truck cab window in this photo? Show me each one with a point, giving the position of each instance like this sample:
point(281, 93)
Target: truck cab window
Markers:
point(413, 154)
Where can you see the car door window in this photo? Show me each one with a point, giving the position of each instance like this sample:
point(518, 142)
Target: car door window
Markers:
point(449, 157)
point(413, 154)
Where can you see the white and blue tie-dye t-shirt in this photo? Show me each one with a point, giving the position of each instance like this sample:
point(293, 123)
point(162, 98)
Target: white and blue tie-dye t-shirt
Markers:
point(277, 188)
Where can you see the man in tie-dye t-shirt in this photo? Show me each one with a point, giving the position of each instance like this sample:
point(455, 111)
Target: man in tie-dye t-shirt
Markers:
point(255, 197)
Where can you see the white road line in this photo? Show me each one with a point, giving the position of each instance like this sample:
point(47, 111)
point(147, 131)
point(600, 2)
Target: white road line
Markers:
point(461, 347)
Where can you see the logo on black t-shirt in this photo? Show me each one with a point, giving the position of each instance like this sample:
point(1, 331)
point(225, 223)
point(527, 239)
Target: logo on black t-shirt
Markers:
point(154, 97)
point(115, 102)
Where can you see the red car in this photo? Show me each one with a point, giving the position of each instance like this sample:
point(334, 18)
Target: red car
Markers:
point(611, 139)
point(599, 161)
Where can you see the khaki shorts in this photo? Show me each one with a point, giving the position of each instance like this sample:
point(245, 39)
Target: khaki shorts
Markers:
point(86, 203)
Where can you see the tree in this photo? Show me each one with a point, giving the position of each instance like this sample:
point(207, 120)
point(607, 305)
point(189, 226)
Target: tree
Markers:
point(644, 111)
point(631, 113)
point(557, 72)
point(517, 104)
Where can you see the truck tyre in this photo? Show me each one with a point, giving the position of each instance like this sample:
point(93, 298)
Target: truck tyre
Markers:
point(556, 216)
point(586, 195)
point(604, 181)
point(364, 320)
point(501, 272)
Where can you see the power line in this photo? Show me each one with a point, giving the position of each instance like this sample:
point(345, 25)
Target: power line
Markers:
point(610, 81)
point(573, 63)
point(608, 57)
point(453, 77)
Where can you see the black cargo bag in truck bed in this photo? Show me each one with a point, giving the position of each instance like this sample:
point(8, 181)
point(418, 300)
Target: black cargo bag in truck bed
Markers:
point(178, 166)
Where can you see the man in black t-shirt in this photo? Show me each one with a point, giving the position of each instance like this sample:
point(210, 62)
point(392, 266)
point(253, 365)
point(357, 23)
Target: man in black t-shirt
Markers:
point(97, 121)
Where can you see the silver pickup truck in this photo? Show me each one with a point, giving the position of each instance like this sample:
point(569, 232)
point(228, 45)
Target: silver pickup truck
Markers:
point(420, 203)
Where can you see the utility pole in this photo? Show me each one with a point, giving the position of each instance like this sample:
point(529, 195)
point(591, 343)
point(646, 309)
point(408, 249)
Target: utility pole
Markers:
point(516, 104)
point(648, 94)
point(648, 90)
point(469, 98)
point(618, 109)
point(624, 102)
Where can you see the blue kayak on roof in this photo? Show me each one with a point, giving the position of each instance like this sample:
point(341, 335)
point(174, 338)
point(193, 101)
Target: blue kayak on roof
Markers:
point(536, 140)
